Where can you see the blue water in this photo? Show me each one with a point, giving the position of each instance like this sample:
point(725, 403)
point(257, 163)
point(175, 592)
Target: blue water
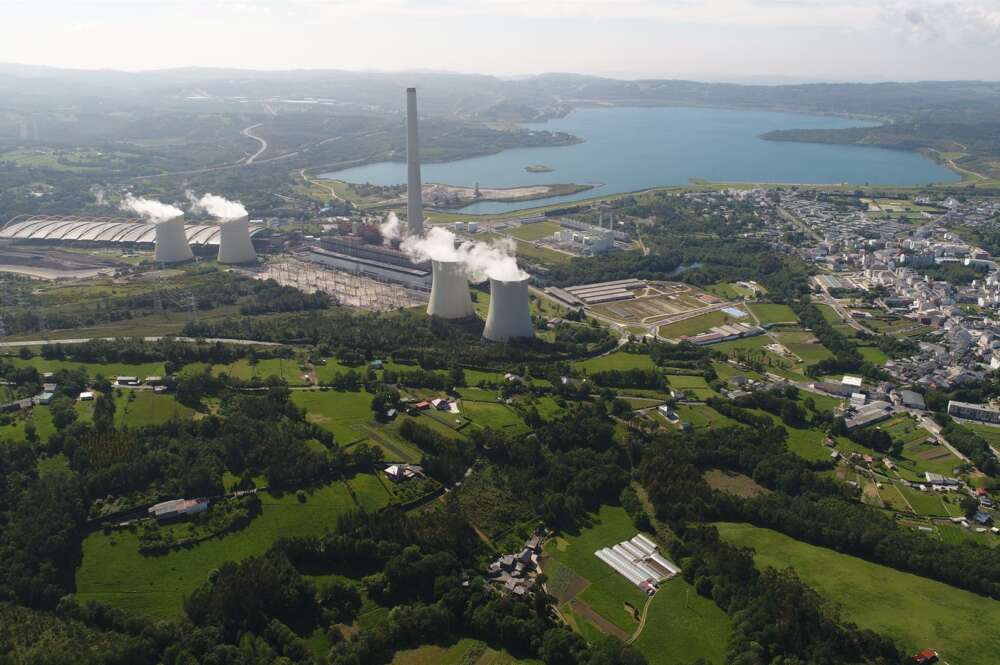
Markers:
point(626, 149)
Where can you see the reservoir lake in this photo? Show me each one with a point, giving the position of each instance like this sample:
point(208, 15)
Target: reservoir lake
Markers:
point(627, 149)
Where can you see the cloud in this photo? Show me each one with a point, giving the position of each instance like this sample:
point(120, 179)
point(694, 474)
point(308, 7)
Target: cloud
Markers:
point(962, 22)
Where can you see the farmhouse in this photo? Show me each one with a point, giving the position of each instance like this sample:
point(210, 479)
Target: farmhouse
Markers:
point(400, 472)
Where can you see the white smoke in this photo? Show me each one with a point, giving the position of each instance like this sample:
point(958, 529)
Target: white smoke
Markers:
point(480, 260)
point(390, 229)
point(217, 206)
point(151, 209)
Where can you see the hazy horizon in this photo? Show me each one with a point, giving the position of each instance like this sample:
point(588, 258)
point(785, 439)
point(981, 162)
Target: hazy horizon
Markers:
point(745, 41)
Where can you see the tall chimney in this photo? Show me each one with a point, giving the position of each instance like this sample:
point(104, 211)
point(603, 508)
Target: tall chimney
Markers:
point(414, 206)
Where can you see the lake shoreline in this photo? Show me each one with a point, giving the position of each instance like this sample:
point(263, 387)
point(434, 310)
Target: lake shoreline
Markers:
point(637, 148)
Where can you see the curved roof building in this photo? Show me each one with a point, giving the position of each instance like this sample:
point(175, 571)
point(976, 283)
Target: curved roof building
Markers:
point(102, 230)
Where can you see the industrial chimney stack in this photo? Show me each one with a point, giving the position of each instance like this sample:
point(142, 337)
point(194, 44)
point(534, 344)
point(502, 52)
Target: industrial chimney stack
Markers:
point(171, 242)
point(234, 242)
point(449, 291)
point(414, 189)
point(509, 316)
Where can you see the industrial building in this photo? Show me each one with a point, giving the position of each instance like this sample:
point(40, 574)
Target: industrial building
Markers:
point(449, 291)
point(638, 561)
point(595, 294)
point(171, 242)
point(73, 230)
point(234, 242)
point(509, 316)
point(381, 263)
point(594, 241)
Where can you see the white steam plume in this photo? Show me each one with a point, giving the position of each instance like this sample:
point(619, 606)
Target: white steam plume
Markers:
point(150, 208)
point(390, 229)
point(217, 206)
point(479, 259)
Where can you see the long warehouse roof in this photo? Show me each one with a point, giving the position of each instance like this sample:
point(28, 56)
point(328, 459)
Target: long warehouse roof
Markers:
point(101, 229)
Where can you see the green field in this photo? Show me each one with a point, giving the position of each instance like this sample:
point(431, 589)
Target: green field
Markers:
point(873, 354)
point(702, 416)
point(535, 231)
point(607, 590)
point(108, 370)
point(341, 413)
point(616, 360)
point(829, 313)
point(464, 652)
point(148, 408)
point(287, 369)
point(988, 432)
point(42, 417)
point(369, 492)
point(693, 386)
point(682, 626)
point(114, 572)
point(496, 416)
point(728, 290)
point(325, 373)
point(698, 324)
point(917, 612)
point(770, 313)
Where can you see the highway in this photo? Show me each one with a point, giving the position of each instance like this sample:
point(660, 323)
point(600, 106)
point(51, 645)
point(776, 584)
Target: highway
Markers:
point(83, 340)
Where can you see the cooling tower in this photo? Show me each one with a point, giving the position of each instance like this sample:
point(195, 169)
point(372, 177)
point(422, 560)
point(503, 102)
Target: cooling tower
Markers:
point(509, 317)
point(414, 206)
point(449, 291)
point(171, 242)
point(234, 242)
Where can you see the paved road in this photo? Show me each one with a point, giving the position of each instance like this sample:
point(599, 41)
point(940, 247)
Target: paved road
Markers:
point(248, 132)
point(842, 312)
point(935, 430)
point(83, 340)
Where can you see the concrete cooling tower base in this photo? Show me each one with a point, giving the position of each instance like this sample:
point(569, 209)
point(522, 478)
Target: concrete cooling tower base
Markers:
point(449, 292)
point(509, 316)
point(234, 242)
point(171, 242)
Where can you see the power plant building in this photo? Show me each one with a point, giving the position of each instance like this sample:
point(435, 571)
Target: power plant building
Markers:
point(509, 316)
point(449, 291)
point(374, 261)
point(171, 242)
point(234, 242)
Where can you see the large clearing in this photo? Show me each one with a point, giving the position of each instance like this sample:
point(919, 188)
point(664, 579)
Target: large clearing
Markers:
point(114, 572)
point(680, 625)
point(341, 413)
point(917, 612)
point(770, 313)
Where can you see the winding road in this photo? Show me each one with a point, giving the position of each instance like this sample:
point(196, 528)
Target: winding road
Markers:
point(248, 132)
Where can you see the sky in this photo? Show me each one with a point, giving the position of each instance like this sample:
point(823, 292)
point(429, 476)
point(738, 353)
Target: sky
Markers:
point(716, 40)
